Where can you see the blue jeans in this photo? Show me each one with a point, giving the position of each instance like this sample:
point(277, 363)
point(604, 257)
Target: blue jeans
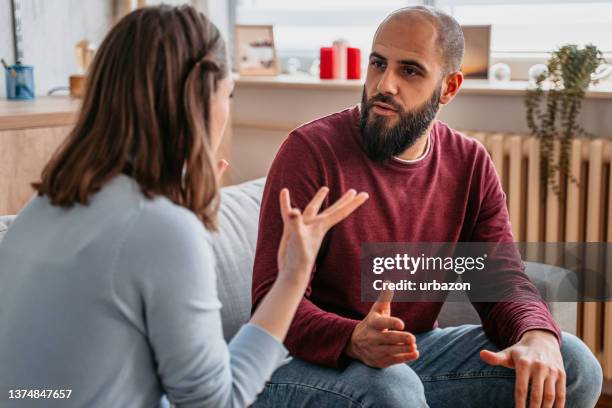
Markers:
point(448, 373)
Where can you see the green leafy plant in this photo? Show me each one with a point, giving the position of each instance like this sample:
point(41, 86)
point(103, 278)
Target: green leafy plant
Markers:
point(553, 116)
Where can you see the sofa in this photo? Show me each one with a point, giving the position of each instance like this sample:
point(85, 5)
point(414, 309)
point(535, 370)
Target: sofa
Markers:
point(234, 248)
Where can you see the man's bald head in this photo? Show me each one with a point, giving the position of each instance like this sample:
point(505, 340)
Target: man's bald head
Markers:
point(449, 33)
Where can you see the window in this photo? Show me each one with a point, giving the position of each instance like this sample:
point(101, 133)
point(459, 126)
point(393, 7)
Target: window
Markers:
point(524, 27)
point(302, 27)
point(521, 29)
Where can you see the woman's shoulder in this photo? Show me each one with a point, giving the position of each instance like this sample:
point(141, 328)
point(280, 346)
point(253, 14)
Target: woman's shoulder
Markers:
point(165, 249)
point(161, 231)
point(158, 214)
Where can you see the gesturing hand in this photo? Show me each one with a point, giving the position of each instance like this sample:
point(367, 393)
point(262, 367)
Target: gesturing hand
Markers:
point(537, 360)
point(378, 340)
point(304, 232)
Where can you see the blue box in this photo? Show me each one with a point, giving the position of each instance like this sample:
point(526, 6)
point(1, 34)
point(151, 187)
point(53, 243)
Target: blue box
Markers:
point(20, 82)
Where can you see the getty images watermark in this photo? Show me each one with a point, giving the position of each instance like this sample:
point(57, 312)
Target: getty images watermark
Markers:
point(487, 272)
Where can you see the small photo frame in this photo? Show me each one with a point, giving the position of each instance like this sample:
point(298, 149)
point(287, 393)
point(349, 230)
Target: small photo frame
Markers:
point(477, 50)
point(255, 50)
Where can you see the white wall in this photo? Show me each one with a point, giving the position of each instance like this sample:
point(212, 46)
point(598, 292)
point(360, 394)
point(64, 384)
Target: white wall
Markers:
point(51, 28)
point(50, 31)
point(6, 39)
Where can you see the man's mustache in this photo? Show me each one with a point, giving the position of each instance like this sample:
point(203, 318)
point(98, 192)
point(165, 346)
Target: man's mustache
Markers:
point(384, 99)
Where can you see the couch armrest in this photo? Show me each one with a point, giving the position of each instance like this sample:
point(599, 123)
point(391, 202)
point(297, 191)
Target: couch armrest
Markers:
point(550, 280)
point(556, 283)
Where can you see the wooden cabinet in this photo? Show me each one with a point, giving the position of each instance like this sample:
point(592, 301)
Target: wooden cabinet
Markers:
point(30, 132)
point(23, 154)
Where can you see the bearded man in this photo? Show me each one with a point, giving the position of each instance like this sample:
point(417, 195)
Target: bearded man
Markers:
point(427, 183)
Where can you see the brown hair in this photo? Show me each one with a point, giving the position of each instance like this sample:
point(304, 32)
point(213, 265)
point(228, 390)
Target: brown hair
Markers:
point(146, 113)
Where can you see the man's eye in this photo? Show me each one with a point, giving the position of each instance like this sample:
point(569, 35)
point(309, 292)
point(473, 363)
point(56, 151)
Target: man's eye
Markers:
point(378, 64)
point(409, 71)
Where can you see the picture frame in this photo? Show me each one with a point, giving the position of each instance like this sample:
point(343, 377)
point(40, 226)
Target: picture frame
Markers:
point(476, 58)
point(255, 50)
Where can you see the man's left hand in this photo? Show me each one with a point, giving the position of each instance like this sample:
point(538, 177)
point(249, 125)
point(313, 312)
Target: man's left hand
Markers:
point(537, 359)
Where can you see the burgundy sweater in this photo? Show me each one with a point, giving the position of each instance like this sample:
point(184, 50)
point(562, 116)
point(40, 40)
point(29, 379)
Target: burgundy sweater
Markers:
point(452, 194)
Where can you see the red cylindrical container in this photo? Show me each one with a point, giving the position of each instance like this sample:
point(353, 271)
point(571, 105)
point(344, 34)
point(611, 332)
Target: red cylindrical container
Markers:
point(353, 63)
point(327, 63)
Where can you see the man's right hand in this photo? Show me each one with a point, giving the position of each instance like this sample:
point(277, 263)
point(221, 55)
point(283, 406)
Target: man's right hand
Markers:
point(378, 340)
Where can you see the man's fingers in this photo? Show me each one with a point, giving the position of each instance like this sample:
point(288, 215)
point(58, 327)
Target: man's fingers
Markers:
point(539, 372)
point(285, 203)
point(521, 383)
point(315, 204)
point(560, 391)
point(395, 337)
point(548, 398)
point(501, 358)
point(393, 349)
point(385, 295)
point(400, 358)
point(343, 210)
point(386, 323)
point(383, 303)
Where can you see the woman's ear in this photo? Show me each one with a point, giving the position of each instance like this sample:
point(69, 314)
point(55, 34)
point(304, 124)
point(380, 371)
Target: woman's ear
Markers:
point(450, 86)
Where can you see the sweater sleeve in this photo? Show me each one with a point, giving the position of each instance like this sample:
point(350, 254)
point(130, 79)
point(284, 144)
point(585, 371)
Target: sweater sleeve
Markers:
point(165, 284)
point(315, 335)
point(506, 321)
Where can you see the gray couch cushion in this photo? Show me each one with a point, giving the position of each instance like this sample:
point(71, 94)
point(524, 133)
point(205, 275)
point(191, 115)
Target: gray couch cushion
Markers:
point(5, 221)
point(548, 279)
point(234, 249)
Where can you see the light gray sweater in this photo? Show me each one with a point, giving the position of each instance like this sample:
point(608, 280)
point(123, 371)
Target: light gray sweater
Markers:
point(117, 302)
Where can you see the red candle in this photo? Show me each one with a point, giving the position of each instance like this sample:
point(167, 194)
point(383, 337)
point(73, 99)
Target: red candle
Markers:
point(353, 63)
point(327, 63)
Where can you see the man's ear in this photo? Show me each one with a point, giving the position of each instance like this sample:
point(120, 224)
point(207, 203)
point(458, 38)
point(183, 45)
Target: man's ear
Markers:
point(450, 86)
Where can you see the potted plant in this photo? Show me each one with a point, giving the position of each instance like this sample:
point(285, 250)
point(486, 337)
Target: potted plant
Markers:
point(553, 117)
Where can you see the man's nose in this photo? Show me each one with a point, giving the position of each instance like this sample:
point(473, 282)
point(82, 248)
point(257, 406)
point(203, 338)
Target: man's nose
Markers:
point(388, 83)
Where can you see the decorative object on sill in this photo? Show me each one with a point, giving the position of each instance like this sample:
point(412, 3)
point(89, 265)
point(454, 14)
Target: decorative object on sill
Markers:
point(340, 46)
point(500, 72)
point(353, 63)
point(535, 72)
point(326, 63)
point(19, 80)
point(602, 73)
point(339, 61)
point(293, 66)
point(315, 67)
point(84, 52)
point(255, 51)
point(570, 70)
point(477, 51)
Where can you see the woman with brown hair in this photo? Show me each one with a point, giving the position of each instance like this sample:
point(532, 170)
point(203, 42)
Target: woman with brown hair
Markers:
point(108, 284)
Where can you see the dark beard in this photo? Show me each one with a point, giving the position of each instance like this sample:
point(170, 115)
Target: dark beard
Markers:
point(382, 142)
